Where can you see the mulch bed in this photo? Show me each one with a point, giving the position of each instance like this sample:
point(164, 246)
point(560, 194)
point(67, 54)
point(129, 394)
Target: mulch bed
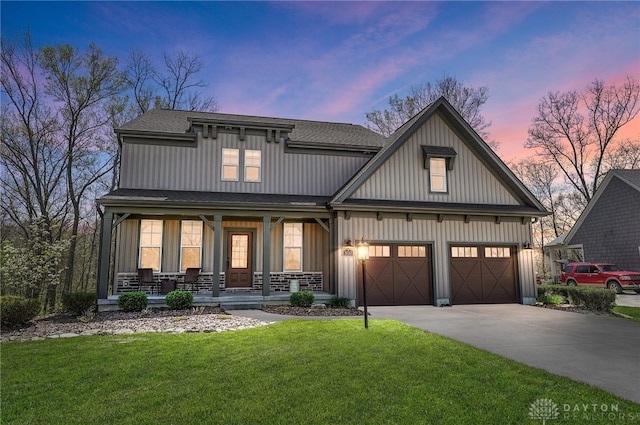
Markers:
point(311, 311)
point(581, 310)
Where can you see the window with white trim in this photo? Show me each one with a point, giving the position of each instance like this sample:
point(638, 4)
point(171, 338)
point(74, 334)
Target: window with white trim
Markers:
point(252, 165)
point(292, 247)
point(230, 164)
point(437, 174)
point(190, 244)
point(150, 244)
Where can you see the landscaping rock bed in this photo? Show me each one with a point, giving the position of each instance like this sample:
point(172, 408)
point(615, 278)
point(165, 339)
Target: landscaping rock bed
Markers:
point(200, 319)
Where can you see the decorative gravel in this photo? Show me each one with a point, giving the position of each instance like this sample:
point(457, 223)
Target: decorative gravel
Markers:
point(200, 319)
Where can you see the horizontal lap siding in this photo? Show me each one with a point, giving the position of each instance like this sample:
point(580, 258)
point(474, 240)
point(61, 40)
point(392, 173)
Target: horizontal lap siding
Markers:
point(147, 166)
point(441, 235)
point(403, 176)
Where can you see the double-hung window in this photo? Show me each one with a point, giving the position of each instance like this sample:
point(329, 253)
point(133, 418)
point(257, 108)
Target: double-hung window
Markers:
point(439, 161)
point(150, 244)
point(230, 164)
point(252, 165)
point(437, 175)
point(190, 244)
point(292, 247)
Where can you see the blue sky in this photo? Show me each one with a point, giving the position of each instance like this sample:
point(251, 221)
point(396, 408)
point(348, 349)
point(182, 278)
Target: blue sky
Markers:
point(335, 61)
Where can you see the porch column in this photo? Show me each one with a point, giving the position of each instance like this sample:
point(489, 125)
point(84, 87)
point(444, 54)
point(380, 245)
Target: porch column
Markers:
point(332, 256)
point(217, 244)
point(266, 255)
point(104, 255)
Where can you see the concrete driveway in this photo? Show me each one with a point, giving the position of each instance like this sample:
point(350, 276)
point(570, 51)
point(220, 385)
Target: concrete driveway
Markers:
point(601, 351)
point(629, 298)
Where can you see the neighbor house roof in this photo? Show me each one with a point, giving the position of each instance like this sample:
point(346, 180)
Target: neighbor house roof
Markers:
point(320, 133)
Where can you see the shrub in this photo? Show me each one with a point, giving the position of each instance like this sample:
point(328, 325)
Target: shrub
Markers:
point(339, 302)
point(132, 301)
point(302, 299)
point(17, 311)
point(179, 300)
point(78, 303)
point(551, 299)
point(598, 299)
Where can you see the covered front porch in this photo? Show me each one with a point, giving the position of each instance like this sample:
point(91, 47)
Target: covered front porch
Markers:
point(259, 246)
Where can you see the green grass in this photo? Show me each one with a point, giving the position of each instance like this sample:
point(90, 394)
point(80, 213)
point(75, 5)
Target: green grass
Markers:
point(293, 372)
point(633, 312)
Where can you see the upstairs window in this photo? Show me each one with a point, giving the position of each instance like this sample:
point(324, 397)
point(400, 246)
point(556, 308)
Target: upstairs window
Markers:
point(190, 244)
point(150, 244)
point(439, 160)
point(437, 175)
point(230, 164)
point(252, 165)
point(293, 247)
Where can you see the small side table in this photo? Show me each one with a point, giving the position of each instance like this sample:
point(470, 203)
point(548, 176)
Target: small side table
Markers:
point(167, 285)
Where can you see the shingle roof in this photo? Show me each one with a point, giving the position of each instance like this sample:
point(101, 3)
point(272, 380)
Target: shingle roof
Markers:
point(314, 132)
point(632, 176)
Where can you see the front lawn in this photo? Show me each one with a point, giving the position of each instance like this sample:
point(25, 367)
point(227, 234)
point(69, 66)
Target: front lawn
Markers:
point(293, 372)
point(633, 312)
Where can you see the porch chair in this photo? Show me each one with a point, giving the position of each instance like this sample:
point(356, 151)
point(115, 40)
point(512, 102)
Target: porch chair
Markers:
point(145, 276)
point(191, 277)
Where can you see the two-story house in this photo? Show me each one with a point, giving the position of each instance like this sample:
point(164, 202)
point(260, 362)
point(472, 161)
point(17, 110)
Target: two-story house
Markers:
point(258, 203)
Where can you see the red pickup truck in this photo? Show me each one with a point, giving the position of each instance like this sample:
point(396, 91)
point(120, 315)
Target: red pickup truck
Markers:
point(605, 275)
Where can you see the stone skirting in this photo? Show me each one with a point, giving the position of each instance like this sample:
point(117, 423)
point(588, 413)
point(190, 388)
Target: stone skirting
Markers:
point(309, 281)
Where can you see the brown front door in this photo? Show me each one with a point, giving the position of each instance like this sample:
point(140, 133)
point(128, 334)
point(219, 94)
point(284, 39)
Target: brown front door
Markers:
point(239, 260)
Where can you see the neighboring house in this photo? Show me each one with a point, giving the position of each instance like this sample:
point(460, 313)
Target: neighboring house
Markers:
point(257, 203)
point(608, 230)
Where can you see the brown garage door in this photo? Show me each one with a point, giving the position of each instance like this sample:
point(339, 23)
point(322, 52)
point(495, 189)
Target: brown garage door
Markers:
point(397, 275)
point(483, 275)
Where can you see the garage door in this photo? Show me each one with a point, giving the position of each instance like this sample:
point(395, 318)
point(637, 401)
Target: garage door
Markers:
point(397, 275)
point(483, 275)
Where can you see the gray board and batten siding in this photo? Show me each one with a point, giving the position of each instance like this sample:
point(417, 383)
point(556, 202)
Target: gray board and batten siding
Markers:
point(403, 176)
point(156, 163)
point(315, 245)
point(441, 235)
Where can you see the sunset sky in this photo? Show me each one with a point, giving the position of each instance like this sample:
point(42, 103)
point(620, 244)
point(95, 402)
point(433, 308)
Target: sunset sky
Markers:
point(335, 61)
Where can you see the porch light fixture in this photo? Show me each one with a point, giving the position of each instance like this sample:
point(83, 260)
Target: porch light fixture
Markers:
point(363, 256)
point(527, 245)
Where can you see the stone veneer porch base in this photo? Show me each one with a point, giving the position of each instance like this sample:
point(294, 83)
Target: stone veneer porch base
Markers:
point(280, 281)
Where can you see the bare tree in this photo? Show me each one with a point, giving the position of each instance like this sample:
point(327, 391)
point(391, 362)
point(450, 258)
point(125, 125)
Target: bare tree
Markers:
point(33, 161)
point(576, 130)
point(174, 86)
point(466, 99)
point(81, 84)
point(624, 155)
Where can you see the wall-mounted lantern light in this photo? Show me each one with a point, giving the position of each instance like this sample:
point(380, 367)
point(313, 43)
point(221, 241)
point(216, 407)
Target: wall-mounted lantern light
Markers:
point(527, 245)
point(363, 256)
